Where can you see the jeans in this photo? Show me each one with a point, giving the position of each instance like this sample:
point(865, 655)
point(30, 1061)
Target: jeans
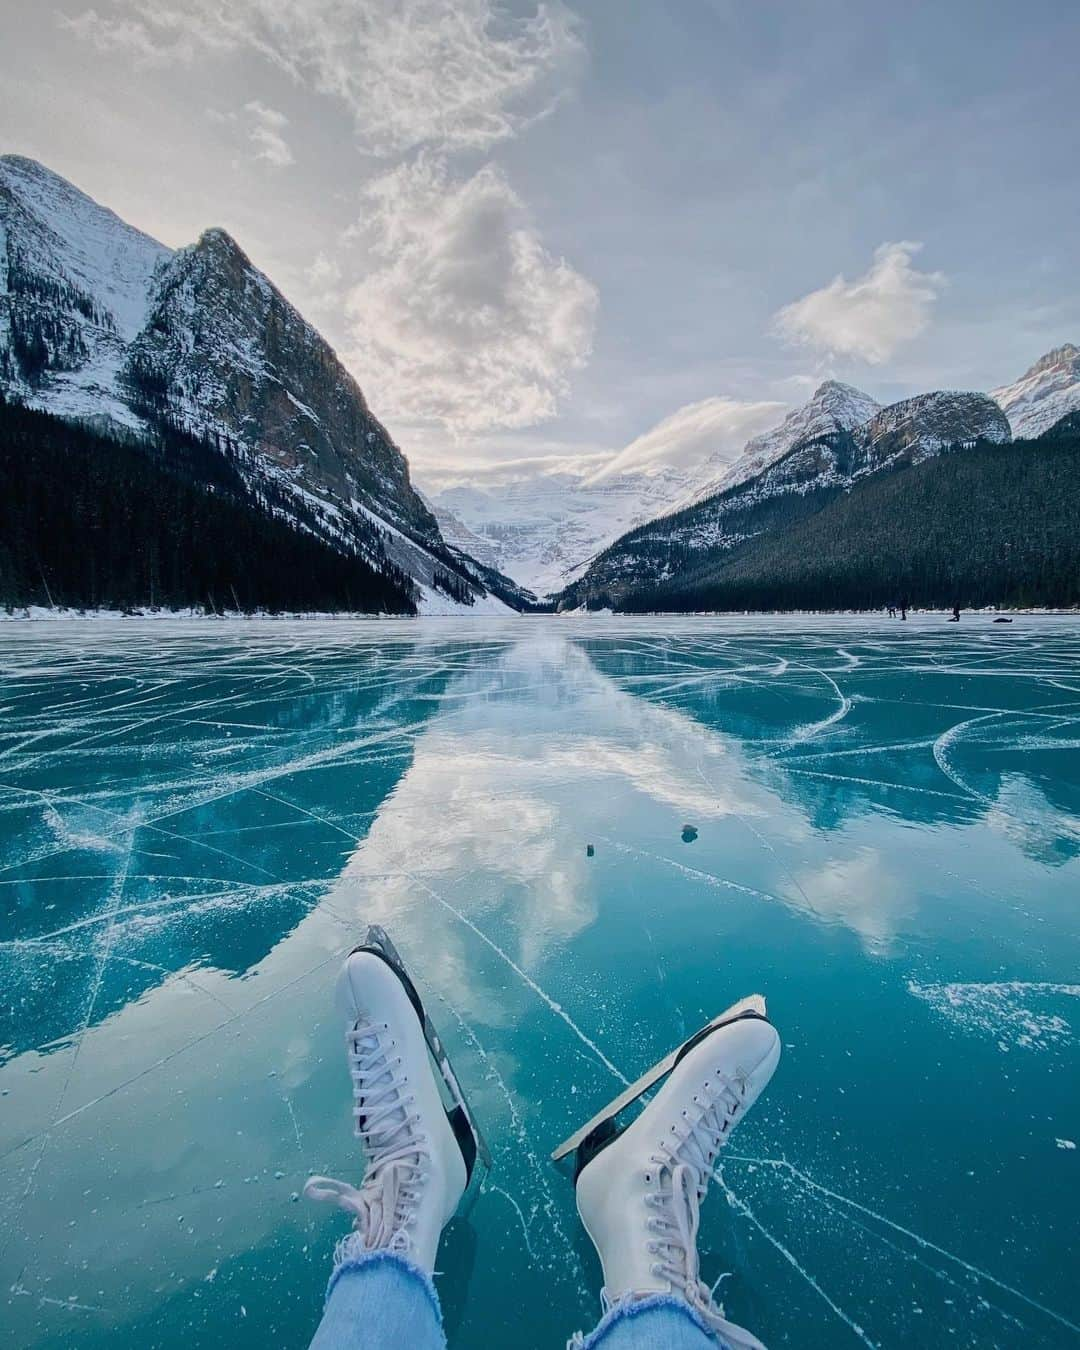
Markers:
point(381, 1301)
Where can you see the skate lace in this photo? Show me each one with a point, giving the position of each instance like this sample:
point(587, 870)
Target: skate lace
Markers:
point(385, 1203)
point(684, 1163)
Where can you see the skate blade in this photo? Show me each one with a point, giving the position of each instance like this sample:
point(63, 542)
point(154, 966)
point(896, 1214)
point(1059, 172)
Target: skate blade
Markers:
point(467, 1132)
point(754, 1006)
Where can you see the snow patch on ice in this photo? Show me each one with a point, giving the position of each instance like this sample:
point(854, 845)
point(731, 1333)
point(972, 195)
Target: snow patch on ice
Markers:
point(1001, 1009)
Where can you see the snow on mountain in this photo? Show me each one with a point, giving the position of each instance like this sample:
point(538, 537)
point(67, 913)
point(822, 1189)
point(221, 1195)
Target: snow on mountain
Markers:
point(918, 427)
point(543, 530)
point(76, 285)
point(224, 350)
point(1043, 395)
point(98, 322)
point(458, 535)
point(828, 461)
point(545, 527)
point(833, 407)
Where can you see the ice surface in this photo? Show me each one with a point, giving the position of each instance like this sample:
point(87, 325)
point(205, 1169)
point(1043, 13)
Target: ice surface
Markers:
point(198, 818)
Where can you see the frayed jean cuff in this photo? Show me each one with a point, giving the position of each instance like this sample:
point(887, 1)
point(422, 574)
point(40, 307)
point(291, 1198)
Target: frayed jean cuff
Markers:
point(351, 1255)
point(634, 1308)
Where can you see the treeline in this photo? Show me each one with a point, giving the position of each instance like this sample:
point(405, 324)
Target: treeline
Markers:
point(89, 520)
point(986, 525)
point(669, 545)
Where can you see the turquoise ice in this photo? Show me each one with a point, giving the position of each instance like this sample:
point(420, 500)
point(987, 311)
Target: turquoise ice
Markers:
point(874, 824)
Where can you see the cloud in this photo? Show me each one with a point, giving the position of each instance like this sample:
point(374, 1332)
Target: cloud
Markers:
point(323, 272)
point(454, 74)
point(871, 316)
point(861, 892)
point(440, 467)
point(715, 429)
point(465, 319)
point(128, 36)
point(265, 134)
point(322, 285)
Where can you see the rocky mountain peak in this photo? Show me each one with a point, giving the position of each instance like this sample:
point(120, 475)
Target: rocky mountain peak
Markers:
point(75, 287)
point(834, 391)
point(1044, 394)
point(833, 407)
point(100, 323)
point(217, 237)
point(918, 427)
point(1066, 354)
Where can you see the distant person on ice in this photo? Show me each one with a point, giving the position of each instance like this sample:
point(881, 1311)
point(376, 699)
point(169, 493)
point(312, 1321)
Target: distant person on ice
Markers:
point(639, 1190)
point(955, 614)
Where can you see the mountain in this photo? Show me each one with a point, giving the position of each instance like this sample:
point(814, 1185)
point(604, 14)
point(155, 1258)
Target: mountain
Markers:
point(548, 530)
point(76, 285)
point(545, 529)
point(1043, 395)
point(909, 534)
point(833, 407)
point(808, 476)
point(458, 535)
point(103, 325)
point(916, 428)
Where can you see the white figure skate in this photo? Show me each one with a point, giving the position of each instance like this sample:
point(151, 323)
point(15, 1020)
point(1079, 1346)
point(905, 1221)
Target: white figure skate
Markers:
point(639, 1189)
point(422, 1144)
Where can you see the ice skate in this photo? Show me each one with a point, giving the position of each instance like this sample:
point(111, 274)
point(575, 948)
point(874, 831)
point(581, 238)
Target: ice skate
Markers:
point(421, 1143)
point(639, 1189)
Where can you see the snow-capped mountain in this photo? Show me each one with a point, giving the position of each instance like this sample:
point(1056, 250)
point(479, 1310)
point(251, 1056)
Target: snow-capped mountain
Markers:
point(833, 407)
point(918, 427)
point(100, 323)
point(544, 530)
point(546, 524)
point(810, 473)
point(1043, 395)
point(547, 530)
point(76, 287)
point(458, 535)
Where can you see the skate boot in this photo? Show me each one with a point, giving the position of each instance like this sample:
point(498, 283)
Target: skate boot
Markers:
point(639, 1191)
point(421, 1152)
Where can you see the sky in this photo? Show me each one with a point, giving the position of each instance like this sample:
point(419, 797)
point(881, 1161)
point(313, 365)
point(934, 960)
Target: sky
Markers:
point(553, 238)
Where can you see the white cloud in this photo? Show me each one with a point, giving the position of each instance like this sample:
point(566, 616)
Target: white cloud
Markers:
point(128, 36)
point(457, 74)
point(323, 286)
point(465, 319)
point(715, 429)
point(860, 891)
point(265, 134)
point(323, 272)
point(441, 465)
point(871, 316)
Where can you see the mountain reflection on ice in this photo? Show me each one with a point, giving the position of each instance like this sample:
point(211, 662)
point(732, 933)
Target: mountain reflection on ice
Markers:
point(196, 821)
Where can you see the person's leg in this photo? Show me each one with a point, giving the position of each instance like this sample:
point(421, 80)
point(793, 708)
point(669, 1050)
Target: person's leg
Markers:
point(661, 1322)
point(639, 1189)
point(377, 1300)
point(419, 1159)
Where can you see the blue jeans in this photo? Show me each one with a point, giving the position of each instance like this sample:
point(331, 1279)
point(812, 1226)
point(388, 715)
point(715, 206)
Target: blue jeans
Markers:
point(381, 1301)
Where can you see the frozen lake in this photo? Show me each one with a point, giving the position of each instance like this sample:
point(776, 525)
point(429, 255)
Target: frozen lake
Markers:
point(197, 819)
